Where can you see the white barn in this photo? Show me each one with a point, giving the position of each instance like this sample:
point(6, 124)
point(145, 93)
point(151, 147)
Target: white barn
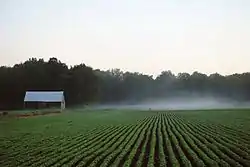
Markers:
point(45, 97)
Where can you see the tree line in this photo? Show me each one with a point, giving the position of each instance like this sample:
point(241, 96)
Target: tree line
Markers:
point(84, 85)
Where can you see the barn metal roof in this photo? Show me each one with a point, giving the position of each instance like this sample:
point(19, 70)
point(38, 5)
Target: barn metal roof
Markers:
point(42, 96)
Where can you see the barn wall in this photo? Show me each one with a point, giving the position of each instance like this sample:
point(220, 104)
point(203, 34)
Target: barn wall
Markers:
point(41, 105)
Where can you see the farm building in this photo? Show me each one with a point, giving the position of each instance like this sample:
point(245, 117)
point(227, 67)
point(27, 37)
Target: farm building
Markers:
point(44, 99)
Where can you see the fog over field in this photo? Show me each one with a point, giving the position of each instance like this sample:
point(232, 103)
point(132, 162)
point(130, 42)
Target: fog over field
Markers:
point(178, 103)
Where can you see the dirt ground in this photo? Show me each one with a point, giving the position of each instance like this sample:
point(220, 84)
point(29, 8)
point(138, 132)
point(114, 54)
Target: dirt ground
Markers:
point(31, 114)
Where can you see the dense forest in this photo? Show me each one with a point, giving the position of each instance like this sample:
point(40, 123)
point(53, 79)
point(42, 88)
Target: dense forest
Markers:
point(83, 85)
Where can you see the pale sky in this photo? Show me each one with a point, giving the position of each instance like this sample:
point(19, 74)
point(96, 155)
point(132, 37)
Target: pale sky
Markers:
point(136, 35)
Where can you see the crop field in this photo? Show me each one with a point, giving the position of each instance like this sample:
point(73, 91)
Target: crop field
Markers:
point(128, 138)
